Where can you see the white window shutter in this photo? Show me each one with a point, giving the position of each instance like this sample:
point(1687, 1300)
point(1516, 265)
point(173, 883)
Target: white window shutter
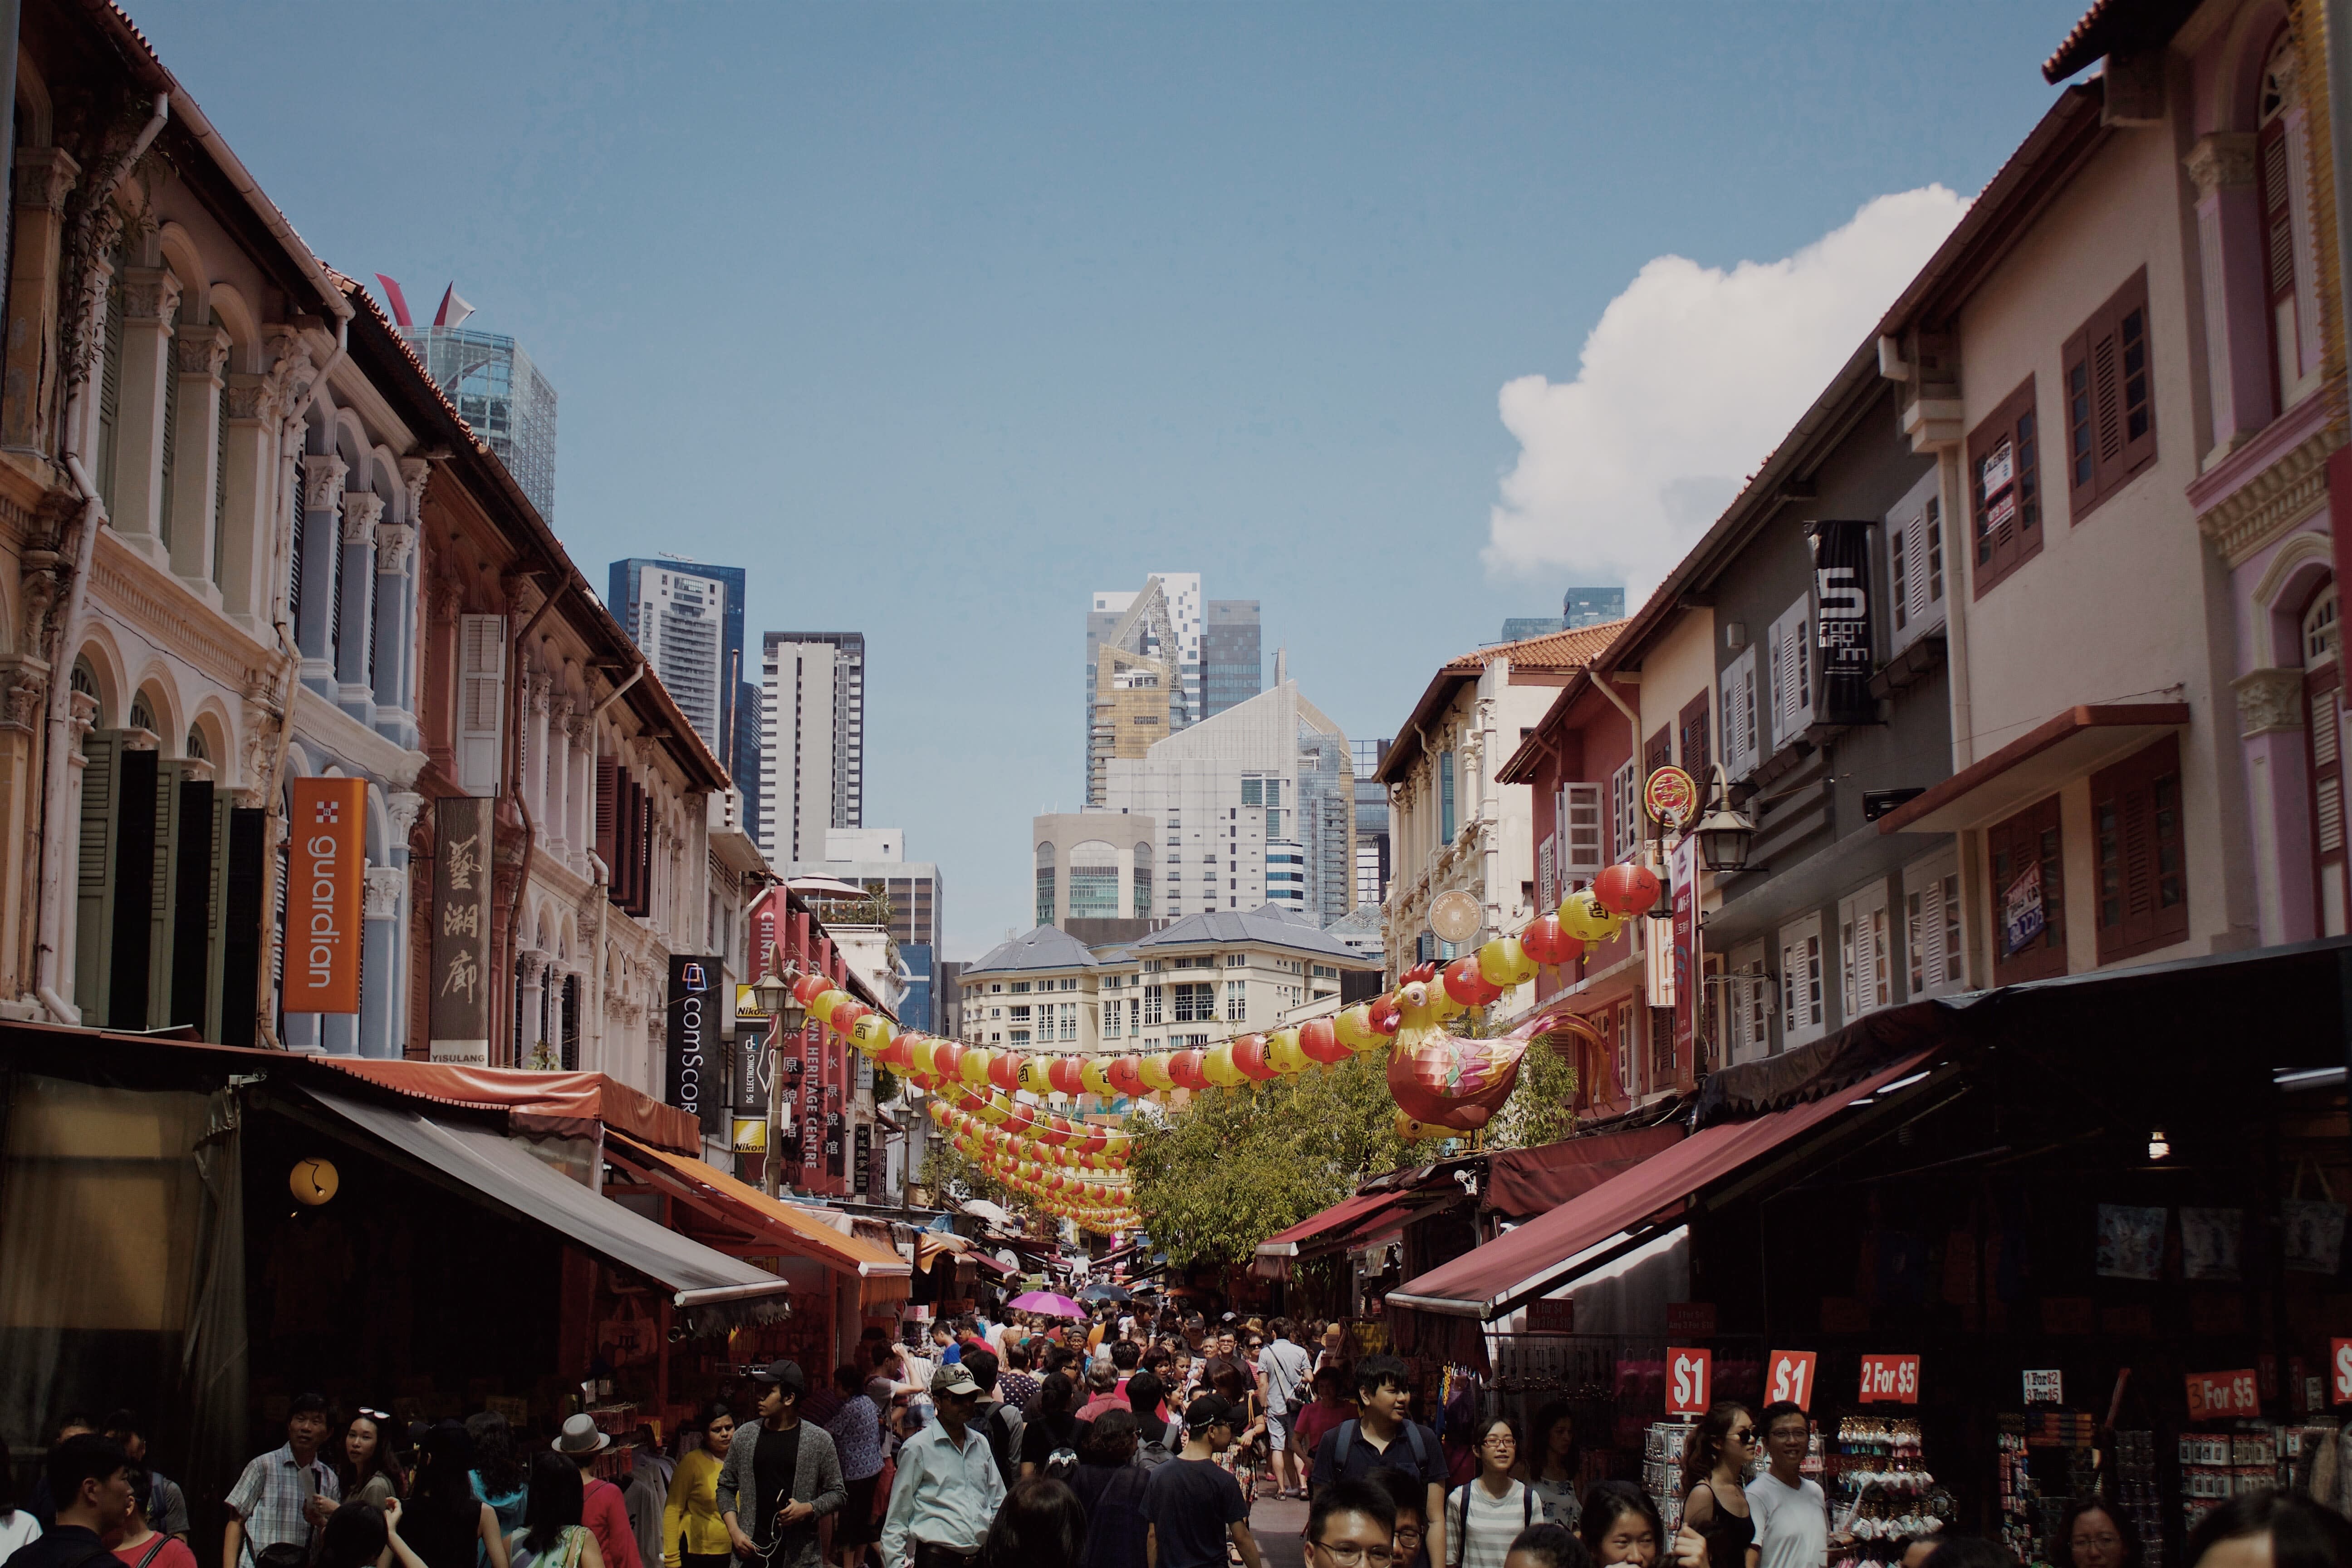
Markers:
point(481, 701)
point(1544, 899)
point(1738, 702)
point(1583, 844)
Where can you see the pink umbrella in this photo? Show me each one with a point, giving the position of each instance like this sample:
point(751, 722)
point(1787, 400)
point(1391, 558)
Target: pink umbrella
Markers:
point(1048, 1302)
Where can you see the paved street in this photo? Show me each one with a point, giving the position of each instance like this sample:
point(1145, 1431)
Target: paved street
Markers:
point(1278, 1526)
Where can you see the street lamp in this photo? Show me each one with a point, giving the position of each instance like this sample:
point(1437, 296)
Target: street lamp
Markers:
point(1724, 834)
point(781, 1001)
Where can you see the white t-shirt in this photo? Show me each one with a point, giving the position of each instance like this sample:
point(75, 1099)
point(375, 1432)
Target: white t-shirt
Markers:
point(1495, 1522)
point(17, 1529)
point(1792, 1526)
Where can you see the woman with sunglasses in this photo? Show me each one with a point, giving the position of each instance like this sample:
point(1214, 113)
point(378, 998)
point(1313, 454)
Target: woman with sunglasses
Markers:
point(1715, 1492)
point(369, 1470)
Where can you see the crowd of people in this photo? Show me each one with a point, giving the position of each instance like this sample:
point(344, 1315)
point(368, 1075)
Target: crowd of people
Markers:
point(1118, 1442)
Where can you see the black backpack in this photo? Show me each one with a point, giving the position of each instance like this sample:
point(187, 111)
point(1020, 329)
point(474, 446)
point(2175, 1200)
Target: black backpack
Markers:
point(1002, 1426)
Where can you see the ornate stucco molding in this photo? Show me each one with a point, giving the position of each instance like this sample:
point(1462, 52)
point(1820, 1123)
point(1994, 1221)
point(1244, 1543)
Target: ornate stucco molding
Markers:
point(2252, 515)
point(2269, 700)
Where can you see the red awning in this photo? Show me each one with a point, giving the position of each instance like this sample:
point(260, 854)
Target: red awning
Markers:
point(1489, 1280)
point(1539, 1180)
point(1286, 1242)
point(565, 1103)
point(1342, 1226)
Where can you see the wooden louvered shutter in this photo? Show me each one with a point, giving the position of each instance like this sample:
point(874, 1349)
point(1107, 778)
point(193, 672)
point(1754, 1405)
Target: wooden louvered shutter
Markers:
point(1658, 752)
point(171, 442)
point(2141, 853)
point(1697, 745)
point(242, 911)
point(481, 701)
point(1545, 862)
point(164, 895)
point(608, 791)
point(2005, 487)
point(2323, 735)
point(2110, 399)
point(94, 874)
point(645, 851)
point(134, 890)
point(187, 996)
point(2029, 840)
point(2277, 194)
point(1583, 838)
point(109, 399)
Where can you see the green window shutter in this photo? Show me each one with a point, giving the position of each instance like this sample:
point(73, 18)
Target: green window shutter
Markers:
point(171, 439)
point(138, 779)
point(110, 398)
point(192, 853)
point(94, 875)
point(216, 914)
point(244, 906)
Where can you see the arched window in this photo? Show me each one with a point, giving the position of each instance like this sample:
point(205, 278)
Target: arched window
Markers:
point(1143, 881)
point(2277, 165)
point(195, 749)
point(143, 713)
point(1093, 881)
point(84, 680)
point(1044, 884)
point(2321, 634)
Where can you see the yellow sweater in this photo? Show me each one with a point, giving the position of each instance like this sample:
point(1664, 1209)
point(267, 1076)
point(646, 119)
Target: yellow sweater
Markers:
point(692, 1511)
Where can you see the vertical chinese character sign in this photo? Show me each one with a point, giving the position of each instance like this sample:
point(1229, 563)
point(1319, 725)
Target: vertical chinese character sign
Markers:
point(1842, 612)
point(460, 1005)
point(326, 863)
point(865, 1166)
point(1682, 866)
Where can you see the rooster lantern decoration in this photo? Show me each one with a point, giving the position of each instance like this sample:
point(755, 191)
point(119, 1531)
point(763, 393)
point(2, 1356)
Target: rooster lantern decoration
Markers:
point(1444, 1083)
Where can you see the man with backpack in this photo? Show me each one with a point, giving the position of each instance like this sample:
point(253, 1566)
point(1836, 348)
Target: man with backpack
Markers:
point(1158, 1438)
point(998, 1422)
point(1384, 1438)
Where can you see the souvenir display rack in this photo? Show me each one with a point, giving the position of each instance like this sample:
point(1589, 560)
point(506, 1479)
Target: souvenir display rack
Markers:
point(1880, 1490)
point(1661, 1468)
point(2135, 1492)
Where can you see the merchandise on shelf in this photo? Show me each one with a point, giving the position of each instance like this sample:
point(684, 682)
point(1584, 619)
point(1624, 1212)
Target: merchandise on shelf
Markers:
point(1661, 1469)
point(1881, 1491)
point(2135, 1493)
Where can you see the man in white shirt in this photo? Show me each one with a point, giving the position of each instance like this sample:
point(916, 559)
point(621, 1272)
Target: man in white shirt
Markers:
point(948, 1488)
point(1792, 1526)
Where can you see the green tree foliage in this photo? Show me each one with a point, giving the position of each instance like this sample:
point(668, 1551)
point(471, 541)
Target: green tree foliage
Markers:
point(1238, 1165)
point(1542, 1107)
point(952, 1177)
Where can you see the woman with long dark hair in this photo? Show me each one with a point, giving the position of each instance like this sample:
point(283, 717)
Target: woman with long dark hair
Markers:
point(1552, 1458)
point(365, 1461)
point(1050, 1426)
point(447, 1524)
point(1715, 1491)
point(498, 1468)
point(1619, 1526)
point(1041, 1525)
point(552, 1535)
point(693, 1535)
point(1485, 1513)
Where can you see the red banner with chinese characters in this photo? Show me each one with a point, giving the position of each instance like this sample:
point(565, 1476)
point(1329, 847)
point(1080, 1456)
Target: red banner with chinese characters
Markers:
point(1890, 1380)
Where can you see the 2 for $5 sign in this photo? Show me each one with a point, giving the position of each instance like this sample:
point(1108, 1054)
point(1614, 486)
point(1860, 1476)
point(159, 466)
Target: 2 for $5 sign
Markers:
point(1890, 1380)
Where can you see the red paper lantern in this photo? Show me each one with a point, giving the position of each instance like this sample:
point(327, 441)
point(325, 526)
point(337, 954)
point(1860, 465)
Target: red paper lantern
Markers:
point(1005, 1071)
point(945, 1053)
point(1320, 1042)
point(1546, 942)
point(1093, 1143)
point(1627, 888)
point(1184, 1068)
point(1062, 1073)
point(1125, 1076)
point(1057, 1130)
point(1250, 1059)
point(809, 988)
point(1466, 985)
point(844, 1019)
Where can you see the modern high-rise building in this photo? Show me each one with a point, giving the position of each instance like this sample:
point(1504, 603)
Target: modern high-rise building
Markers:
point(1517, 627)
point(1232, 666)
point(1372, 822)
point(1245, 801)
point(813, 740)
point(687, 618)
point(501, 394)
point(874, 858)
point(1161, 622)
point(1582, 607)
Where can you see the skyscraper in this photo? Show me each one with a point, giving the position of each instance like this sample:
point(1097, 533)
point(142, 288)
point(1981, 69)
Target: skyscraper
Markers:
point(1232, 666)
point(1591, 606)
point(1517, 628)
point(1372, 860)
point(501, 393)
point(687, 616)
point(813, 740)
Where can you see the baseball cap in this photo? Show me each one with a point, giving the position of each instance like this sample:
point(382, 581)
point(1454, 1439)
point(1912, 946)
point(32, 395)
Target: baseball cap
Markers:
point(953, 1379)
point(1205, 1412)
point(785, 1374)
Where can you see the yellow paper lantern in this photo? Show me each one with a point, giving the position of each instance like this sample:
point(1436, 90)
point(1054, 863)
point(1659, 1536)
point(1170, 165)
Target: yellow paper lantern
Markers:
point(974, 1067)
point(1354, 1027)
point(871, 1034)
point(1090, 1073)
point(313, 1181)
point(1153, 1070)
point(1581, 916)
point(1282, 1050)
point(918, 1057)
point(1218, 1068)
point(1033, 1075)
point(1503, 962)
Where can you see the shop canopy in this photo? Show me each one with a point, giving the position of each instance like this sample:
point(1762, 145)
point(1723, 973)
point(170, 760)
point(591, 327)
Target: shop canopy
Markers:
point(503, 1171)
point(568, 1104)
point(1343, 1225)
point(1548, 1252)
point(757, 1225)
point(1538, 1180)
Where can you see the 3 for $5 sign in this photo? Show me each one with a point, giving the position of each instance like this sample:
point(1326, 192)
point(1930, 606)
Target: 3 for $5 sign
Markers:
point(2214, 1394)
point(1690, 1380)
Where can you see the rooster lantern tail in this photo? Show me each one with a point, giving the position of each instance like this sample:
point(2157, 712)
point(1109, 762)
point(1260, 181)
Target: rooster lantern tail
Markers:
point(1446, 1084)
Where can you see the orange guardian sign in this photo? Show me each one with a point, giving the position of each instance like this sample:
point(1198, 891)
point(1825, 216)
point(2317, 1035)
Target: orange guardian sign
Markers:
point(326, 864)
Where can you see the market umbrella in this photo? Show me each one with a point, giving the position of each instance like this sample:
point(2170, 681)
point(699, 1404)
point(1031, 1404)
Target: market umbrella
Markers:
point(1048, 1302)
point(1103, 1290)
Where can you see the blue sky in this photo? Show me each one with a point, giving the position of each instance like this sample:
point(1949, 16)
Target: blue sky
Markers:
point(937, 318)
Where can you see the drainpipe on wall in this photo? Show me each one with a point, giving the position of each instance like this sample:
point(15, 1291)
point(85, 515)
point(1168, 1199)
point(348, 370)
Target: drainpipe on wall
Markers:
point(57, 761)
point(514, 785)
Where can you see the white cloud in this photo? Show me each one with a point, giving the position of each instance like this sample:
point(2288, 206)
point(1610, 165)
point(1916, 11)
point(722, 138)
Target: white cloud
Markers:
point(1692, 376)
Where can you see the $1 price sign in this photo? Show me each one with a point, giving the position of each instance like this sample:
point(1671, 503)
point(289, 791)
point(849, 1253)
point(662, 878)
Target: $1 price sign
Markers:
point(1890, 1380)
point(2339, 1370)
point(2216, 1393)
point(1790, 1377)
point(1690, 1380)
